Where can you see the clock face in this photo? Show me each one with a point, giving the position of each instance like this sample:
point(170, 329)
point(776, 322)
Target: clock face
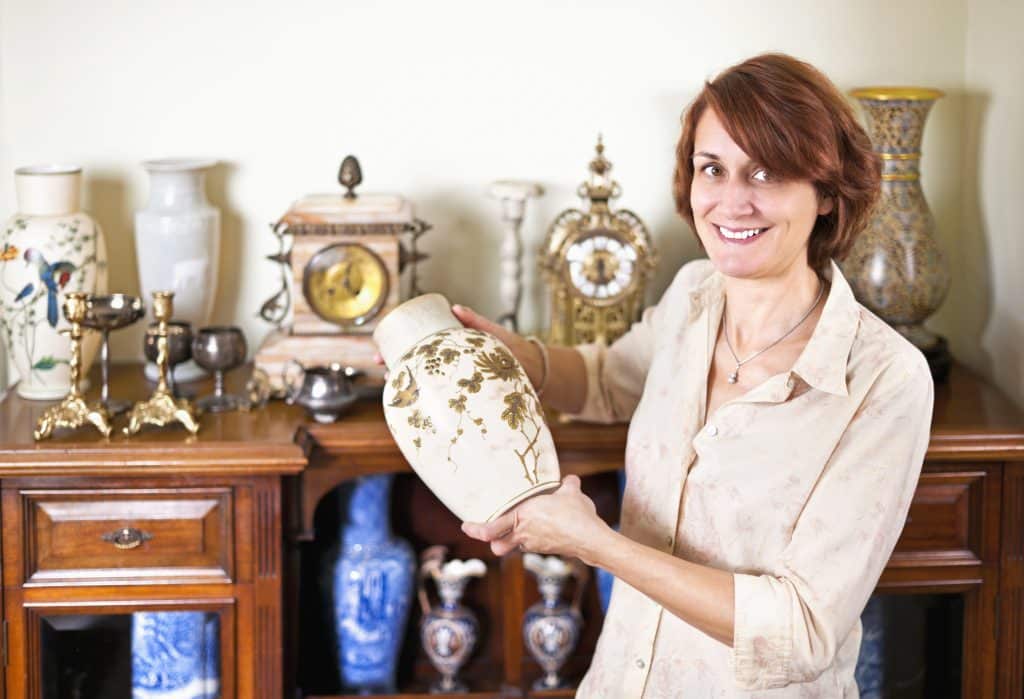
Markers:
point(345, 284)
point(601, 266)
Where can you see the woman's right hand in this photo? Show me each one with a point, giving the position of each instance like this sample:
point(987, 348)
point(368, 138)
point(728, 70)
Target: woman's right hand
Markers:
point(523, 350)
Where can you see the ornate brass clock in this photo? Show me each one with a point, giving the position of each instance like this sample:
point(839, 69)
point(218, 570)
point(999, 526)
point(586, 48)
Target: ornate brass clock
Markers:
point(596, 264)
point(345, 261)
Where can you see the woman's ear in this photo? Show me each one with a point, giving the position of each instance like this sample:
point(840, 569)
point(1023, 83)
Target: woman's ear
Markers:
point(825, 204)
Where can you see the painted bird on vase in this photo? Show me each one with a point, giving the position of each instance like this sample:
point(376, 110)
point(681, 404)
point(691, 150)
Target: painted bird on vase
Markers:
point(53, 276)
point(404, 397)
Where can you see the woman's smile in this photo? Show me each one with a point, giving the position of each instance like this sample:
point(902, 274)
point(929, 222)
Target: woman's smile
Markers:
point(737, 235)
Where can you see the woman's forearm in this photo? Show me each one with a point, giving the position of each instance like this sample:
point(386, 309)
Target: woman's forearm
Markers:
point(566, 386)
point(699, 595)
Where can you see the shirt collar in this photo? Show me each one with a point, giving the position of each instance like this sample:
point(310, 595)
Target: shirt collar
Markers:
point(823, 362)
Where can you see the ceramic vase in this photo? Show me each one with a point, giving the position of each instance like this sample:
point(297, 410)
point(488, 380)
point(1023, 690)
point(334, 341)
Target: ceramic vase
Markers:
point(448, 631)
point(551, 627)
point(895, 267)
point(463, 412)
point(177, 245)
point(48, 248)
point(175, 655)
point(372, 586)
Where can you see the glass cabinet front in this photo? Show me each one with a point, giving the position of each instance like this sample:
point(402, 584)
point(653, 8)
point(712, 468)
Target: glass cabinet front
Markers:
point(143, 655)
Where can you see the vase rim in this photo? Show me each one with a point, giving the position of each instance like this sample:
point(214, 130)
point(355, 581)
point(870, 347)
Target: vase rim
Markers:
point(897, 93)
point(178, 164)
point(49, 169)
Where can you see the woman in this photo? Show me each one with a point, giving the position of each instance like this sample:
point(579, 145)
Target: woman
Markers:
point(778, 427)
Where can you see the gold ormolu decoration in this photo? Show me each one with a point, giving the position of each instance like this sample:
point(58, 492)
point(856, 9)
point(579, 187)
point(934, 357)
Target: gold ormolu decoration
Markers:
point(73, 412)
point(596, 264)
point(162, 407)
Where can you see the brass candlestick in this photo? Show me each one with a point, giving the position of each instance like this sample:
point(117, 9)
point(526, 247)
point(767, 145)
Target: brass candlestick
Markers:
point(73, 411)
point(162, 407)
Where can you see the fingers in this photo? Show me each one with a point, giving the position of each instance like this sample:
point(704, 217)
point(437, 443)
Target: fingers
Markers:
point(472, 319)
point(491, 531)
point(572, 482)
point(378, 358)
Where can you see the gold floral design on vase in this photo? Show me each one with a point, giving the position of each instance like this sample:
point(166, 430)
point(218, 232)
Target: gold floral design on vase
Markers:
point(463, 412)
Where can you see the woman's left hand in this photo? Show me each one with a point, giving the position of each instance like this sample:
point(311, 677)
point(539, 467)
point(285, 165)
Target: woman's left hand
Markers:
point(563, 522)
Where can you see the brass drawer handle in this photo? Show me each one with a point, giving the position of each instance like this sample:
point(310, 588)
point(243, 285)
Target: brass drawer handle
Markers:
point(127, 538)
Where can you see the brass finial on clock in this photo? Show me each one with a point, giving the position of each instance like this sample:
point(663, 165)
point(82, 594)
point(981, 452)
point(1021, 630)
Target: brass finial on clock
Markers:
point(73, 412)
point(599, 186)
point(350, 175)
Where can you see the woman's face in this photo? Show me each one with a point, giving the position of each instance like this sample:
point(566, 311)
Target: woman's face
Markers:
point(752, 224)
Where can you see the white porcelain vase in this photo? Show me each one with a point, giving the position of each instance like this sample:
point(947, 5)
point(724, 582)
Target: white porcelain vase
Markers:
point(47, 249)
point(463, 411)
point(177, 244)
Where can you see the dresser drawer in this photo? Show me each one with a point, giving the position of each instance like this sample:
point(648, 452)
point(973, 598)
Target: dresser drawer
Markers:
point(944, 522)
point(119, 536)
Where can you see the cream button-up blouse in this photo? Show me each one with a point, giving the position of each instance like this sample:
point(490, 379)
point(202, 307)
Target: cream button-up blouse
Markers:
point(800, 488)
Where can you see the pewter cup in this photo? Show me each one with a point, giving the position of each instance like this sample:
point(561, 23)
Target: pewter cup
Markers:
point(179, 347)
point(220, 348)
point(106, 313)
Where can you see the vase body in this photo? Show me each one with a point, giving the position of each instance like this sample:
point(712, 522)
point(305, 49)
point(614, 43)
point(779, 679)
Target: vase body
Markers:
point(175, 655)
point(463, 412)
point(551, 630)
point(177, 244)
point(449, 633)
point(895, 267)
point(372, 585)
point(48, 248)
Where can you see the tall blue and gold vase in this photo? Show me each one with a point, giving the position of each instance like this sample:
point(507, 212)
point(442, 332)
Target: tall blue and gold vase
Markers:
point(371, 586)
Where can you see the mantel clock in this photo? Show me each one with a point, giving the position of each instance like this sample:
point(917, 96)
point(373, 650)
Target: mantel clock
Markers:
point(596, 264)
point(345, 260)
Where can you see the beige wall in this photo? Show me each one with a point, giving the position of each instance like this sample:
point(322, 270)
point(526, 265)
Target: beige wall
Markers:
point(985, 311)
point(438, 99)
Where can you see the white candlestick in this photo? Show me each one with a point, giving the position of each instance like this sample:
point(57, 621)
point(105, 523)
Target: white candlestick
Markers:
point(513, 195)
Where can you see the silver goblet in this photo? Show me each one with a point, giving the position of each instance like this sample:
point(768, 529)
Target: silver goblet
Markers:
point(106, 313)
point(218, 349)
point(179, 347)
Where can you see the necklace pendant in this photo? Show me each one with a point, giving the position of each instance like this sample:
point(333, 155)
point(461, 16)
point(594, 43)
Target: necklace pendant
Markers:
point(734, 376)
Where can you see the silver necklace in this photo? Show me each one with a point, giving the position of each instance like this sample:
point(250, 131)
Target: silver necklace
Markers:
point(735, 375)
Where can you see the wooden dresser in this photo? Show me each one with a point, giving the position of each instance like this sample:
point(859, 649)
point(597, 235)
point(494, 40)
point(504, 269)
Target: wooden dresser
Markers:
point(223, 522)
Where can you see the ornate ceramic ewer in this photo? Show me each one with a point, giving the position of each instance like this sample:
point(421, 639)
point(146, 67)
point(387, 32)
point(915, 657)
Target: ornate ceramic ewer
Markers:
point(551, 628)
point(47, 249)
point(448, 631)
point(463, 412)
point(896, 268)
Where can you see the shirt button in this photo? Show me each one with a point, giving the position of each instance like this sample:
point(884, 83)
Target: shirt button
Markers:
point(669, 540)
point(712, 431)
point(640, 663)
point(790, 382)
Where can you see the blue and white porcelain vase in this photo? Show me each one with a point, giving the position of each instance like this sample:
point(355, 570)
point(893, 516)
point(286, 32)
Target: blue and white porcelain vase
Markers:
point(371, 586)
point(448, 631)
point(551, 627)
point(175, 655)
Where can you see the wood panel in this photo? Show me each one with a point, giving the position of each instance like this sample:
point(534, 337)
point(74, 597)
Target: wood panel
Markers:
point(70, 535)
point(944, 522)
point(1010, 617)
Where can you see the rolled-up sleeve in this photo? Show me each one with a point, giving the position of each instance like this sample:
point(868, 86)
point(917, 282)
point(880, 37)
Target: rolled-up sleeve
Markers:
point(789, 626)
point(616, 373)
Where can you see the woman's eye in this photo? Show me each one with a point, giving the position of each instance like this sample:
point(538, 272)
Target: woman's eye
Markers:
point(712, 169)
point(761, 175)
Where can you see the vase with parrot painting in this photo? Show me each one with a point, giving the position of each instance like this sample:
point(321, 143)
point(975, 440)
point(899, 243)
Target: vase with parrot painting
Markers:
point(47, 249)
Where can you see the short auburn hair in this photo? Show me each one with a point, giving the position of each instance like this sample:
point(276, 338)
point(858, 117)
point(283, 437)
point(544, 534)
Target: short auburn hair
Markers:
point(788, 116)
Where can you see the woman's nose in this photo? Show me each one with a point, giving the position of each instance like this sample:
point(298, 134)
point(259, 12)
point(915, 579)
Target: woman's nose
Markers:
point(736, 199)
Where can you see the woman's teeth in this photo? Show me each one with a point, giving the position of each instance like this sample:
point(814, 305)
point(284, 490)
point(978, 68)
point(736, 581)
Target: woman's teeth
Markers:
point(740, 235)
